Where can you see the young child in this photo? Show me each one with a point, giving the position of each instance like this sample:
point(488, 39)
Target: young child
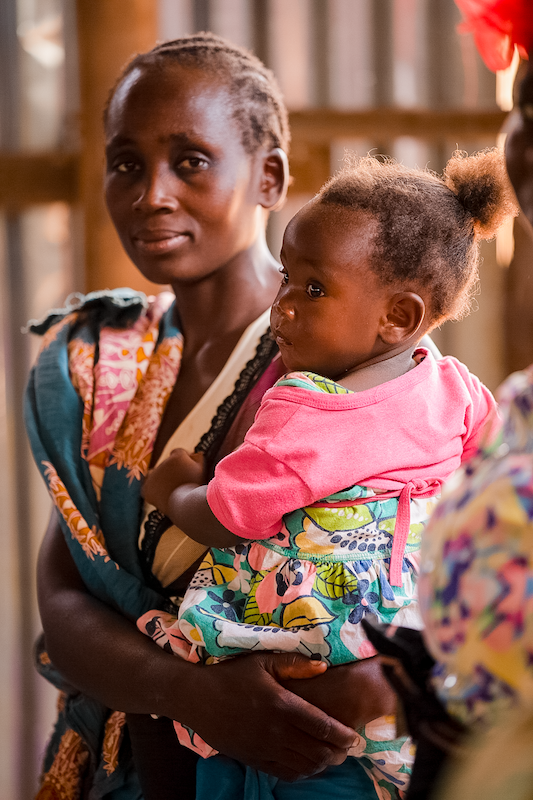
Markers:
point(317, 517)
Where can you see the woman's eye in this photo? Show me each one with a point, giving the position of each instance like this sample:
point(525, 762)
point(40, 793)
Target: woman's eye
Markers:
point(314, 291)
point(284, 276)
point(126, 166)
point(193, 162)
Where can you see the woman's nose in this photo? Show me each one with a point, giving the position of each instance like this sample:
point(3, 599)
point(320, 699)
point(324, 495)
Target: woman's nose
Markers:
point(158, 192)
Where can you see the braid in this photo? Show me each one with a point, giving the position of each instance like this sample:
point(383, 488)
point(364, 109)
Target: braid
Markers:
point(258, 105)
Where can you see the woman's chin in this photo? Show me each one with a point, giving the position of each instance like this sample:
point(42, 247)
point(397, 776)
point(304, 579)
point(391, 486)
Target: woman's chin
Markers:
point(165, 272)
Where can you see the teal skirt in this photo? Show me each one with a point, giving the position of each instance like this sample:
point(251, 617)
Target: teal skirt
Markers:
point(222, 778)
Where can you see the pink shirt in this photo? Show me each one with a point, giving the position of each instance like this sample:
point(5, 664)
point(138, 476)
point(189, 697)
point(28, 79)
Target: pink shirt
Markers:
point(305, 445)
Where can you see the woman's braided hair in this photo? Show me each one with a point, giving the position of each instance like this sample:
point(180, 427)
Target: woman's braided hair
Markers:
point(428, 227)
point(258, 104)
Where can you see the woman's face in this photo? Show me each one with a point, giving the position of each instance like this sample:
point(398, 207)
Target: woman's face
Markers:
point(519, 145)
point(180, 188)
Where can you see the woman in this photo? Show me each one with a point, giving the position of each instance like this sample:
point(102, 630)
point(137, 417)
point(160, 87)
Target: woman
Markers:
point(196, 137)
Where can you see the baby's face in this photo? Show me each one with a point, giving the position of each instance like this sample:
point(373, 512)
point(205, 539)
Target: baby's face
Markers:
point(328, 309)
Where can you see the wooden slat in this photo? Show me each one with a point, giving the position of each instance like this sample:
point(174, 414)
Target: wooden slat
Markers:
point(110, 32)
point(321, 125)
point(27, 179)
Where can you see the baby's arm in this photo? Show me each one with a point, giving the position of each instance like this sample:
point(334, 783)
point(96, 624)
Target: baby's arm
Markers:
point(176, 487)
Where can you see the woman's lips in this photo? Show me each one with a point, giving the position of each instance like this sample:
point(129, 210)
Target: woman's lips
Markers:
point(160, 242)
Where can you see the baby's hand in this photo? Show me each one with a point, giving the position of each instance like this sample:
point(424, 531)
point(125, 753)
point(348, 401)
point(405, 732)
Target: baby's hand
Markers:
point(174, 471)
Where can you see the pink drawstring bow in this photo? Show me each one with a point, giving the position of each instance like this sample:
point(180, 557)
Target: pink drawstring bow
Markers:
point(418, 488)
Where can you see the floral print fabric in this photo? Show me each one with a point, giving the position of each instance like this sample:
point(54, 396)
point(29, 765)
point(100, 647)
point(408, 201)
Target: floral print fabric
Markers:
point(306, 590)
point(476, 588)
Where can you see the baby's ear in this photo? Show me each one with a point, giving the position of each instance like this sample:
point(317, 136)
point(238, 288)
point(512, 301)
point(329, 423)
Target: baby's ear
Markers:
point(275, 179)
point(404, 318)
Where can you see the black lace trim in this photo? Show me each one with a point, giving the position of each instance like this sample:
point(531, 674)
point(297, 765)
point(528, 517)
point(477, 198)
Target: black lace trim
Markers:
point(211, 441)
point(154, 527)
point(157, 523)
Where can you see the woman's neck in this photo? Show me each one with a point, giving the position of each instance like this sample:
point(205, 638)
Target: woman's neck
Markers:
point(213, 314)
point(379, 372)
point(224, 303)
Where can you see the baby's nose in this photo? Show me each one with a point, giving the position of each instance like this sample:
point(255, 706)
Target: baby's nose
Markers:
point(283, 305)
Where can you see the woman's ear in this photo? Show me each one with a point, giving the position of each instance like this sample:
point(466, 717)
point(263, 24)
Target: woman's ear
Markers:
point(275, 179)
point(404, 318)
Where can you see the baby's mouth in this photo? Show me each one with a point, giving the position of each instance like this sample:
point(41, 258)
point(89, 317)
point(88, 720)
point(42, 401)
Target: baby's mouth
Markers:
point(281, 341)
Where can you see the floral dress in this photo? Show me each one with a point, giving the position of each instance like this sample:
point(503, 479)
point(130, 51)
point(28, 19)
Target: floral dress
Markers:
point(476, 588)
point(306, 590)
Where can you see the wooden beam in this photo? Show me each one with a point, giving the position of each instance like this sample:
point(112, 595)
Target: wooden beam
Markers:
point(318, 126)
point(110, 32)
point(314, 129)
point(48, 177)
point(38, 178)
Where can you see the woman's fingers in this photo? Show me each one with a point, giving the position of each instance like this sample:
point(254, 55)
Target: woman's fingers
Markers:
point(262, 724)
point(327, 738)
point(178, 452)
point(353, 693)
point(293, 665)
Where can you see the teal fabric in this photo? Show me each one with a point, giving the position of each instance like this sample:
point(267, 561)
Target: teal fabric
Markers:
point(53, 415)
point(222, 778)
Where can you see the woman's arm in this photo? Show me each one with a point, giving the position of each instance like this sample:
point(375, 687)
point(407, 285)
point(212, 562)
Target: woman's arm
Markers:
point(103, 654)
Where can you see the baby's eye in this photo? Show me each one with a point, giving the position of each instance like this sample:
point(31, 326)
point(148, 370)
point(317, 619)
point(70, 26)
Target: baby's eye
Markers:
point(284, 276)
point(314, 291)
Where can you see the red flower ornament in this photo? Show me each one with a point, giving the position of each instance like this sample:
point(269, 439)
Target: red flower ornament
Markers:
point(497, 26)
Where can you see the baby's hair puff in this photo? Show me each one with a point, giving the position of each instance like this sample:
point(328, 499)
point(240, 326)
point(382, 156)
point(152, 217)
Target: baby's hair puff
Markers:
point(482, 187)
point(428, 228)
point(257, 102)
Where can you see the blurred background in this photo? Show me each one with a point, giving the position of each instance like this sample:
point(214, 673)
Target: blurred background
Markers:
point(387, 76)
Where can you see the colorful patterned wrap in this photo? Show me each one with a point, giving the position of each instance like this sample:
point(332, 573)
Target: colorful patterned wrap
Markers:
point(93, 406)
point(306, 590)
point(476, 585)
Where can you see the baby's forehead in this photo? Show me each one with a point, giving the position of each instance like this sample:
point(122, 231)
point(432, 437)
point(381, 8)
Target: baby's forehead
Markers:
point(326, 232)
point(328, 218)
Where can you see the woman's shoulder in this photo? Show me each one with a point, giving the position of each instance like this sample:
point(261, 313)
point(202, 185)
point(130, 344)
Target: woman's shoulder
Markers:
point(122, 313)
point(114, 308)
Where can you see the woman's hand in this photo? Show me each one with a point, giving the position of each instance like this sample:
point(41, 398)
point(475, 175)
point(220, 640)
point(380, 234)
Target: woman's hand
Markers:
point(178, 469)
point(352, 693)
point(239, 707)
